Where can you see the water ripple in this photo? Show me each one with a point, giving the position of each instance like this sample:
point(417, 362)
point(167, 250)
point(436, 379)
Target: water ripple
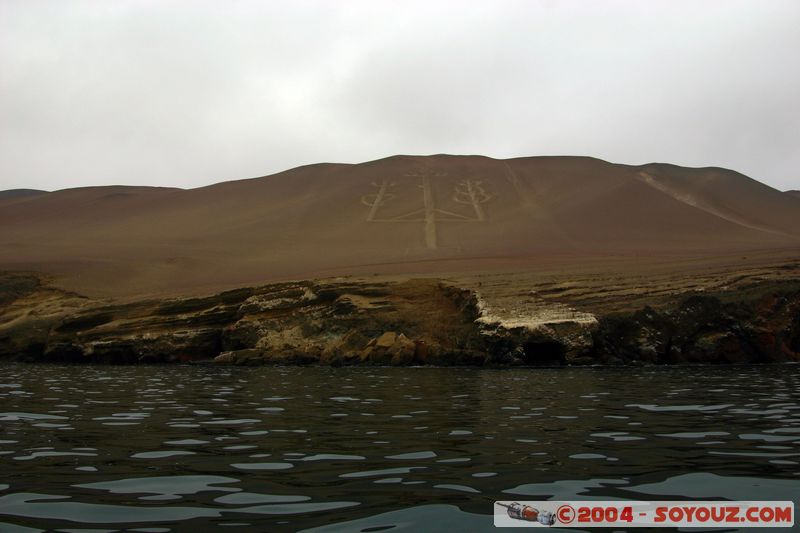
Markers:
point(375, 448)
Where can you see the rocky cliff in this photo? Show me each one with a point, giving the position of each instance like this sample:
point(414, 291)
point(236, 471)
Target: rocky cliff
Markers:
point(385, 322)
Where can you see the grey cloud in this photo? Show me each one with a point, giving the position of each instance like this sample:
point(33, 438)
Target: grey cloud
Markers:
point(185, 94)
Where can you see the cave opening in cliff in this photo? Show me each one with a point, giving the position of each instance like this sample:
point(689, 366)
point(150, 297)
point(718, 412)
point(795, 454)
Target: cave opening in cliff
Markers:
point(543, 353)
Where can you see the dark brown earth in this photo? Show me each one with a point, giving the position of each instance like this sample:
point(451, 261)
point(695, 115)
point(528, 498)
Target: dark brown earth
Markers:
point(399, 215)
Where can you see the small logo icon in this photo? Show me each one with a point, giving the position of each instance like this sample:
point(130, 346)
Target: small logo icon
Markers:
point(565, 514)
point(527, 513)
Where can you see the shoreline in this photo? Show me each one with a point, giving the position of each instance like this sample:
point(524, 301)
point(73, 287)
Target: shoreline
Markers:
point(495, 322)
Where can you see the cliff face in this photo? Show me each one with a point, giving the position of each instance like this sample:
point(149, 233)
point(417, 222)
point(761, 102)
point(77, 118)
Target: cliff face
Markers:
point(419, 321)
point(705, 329)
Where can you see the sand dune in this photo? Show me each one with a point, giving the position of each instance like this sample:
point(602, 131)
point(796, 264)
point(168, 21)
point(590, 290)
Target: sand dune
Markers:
point(399, 214)
point(794, 193)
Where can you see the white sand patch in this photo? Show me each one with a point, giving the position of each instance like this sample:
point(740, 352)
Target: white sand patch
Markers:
point(530, 312)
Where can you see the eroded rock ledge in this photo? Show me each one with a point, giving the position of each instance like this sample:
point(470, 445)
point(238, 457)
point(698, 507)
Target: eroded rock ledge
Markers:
point(414, 322)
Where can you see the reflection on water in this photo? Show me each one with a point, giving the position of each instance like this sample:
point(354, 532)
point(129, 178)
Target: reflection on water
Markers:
point(373, 449)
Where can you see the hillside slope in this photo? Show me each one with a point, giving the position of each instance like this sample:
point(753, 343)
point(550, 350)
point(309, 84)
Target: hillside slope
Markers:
point(399, 214)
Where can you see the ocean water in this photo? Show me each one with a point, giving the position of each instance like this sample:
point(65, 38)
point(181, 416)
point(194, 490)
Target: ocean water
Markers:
point(195, 448)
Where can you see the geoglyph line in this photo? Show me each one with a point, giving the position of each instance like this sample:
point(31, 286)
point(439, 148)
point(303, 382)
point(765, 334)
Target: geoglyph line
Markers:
point(468, 192)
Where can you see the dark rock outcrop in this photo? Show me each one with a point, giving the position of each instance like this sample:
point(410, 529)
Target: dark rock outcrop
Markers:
point(414, 322)
point(706, 329)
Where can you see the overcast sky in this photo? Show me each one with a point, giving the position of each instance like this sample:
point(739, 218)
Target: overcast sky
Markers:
point(195, 92)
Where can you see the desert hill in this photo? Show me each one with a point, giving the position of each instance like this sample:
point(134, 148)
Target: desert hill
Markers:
point(13, 194)
point(399, 214)
point(794, 193)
